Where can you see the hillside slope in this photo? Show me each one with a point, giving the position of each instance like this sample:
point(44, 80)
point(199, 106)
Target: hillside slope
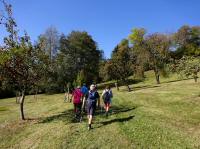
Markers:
point(150, 116)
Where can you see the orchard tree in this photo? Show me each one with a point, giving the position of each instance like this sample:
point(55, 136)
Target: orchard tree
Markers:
point(188, 66)
point(157, 46)
point(23, 67)
point(20, 61)
point(151, 51)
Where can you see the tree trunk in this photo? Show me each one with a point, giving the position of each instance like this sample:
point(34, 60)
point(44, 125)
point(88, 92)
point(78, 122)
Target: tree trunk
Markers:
point(125, 81)
point(157, 76)
point(17, 97)
point(143, 74)
point(22, 105)
point(35, 95)
point(128, 88)
point(195, 79)
point(68, 100)
point(116, 85)
point(158, 79)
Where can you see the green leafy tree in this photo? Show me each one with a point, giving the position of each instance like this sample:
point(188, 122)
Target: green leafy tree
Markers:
point(6, 89)
point(187, 41)
point(151, 51)
point(106, 71)
point(81, 78)
point(79, 55)
point(188, 66)
point(120, 65)
point(19, 59)
point(157, 46)
point(139, 54)
point(22, 66)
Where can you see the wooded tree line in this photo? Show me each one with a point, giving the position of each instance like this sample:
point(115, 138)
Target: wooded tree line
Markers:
point(56, 61)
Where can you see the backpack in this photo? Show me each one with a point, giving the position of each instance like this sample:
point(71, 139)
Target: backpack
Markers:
point(77, 96)
point(93, 96)
point(84, 90)
point(106, 96)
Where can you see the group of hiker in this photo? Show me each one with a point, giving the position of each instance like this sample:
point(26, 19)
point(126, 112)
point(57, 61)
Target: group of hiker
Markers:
point(87, 100)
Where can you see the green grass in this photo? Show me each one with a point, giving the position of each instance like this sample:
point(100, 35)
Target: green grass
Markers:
point(150, 116)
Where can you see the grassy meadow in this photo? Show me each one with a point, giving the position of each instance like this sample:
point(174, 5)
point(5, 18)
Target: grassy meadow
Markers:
point(150, 116)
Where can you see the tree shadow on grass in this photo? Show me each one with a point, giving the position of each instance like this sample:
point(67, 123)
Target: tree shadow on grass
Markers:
point(145, 87)
point(158, 85)
point(176, 80)
point(130, 81)
point(132, 89)
point(152, 86)
point(115, 110)
point(67, 116)
point(116, 120)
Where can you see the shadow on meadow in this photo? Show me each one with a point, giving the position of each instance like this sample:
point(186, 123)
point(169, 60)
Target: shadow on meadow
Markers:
point(130, 81)
point(136, 81)
point(176, 80)
point(144, 87)
point(116, 110)
point(67, 116)
point(3, 108)
point(115, 120)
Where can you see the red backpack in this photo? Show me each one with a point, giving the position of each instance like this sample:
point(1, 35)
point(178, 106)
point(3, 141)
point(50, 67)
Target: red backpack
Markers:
point(77, 94)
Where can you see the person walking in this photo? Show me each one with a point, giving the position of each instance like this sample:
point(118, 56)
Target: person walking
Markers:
point(76, 97)
point(84, 91)
point(93, 96)
point(107, 97)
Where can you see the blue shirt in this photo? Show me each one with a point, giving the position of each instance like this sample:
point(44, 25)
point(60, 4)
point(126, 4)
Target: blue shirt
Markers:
point(84, 90)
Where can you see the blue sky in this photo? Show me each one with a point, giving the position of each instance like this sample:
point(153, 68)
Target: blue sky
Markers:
point(108, 21)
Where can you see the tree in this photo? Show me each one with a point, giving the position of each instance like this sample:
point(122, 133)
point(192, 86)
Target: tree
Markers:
point(105, 71)
point(187, 41)
point(120, 65)
point(19, 59)
point(79, 55)
point(6, 89)
point(22, 66)
point(49, 42)
point(188, 66)
point(151, 51)
point(139, 54)
point(157, 46)
point(80, 78)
